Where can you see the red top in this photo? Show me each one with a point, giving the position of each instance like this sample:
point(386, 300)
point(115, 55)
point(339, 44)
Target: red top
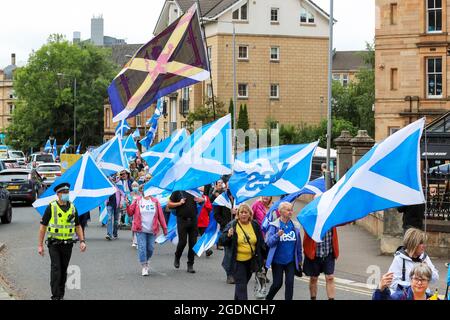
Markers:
point(203, 218)
point(309, 246)
point(158, 220)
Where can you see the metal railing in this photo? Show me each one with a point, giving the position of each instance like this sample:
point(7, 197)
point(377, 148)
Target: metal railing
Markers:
point(438, 197)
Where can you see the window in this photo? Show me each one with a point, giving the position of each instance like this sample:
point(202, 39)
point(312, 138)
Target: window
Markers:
point(393, 13)
point(345, 80)
point(275, 53)
point(274, 91)
point(11, 108)
point(434, 15)
point(394, 79)
point(210, 54)
point(336, 77)
point(185, 93)
point(138, 120)
point(108, 121)
point(274, 15)
point(434, 77)
point(209, 90)
point(306, 16)
point(242, 90)
point(241, 13)
point(393, 130)
point(243, 53)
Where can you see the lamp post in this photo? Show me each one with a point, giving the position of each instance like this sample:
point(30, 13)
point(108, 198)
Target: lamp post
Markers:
point(74, 107)
point(330, 65)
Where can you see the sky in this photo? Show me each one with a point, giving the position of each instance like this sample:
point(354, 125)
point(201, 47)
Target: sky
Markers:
point(26, 24)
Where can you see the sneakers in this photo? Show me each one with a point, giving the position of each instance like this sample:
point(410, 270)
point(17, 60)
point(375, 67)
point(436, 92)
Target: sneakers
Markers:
point(134, 245)
point(145, 271)
point(190, 269)
point(115, 237)
point(176, 263)
point(108, 237)
point(230, 280)
point(209, 252)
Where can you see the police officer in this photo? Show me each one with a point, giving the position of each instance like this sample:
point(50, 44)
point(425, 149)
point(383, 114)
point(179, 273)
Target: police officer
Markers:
point(61, 222)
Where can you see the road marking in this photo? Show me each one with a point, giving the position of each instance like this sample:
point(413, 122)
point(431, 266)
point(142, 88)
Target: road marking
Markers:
point(157, 272)
point(344, 285)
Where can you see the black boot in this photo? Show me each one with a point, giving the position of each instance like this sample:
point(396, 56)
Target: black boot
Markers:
point(190, 268)
point(176, 262)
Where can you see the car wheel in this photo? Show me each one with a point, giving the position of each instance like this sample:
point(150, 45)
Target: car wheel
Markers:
point(6, 219)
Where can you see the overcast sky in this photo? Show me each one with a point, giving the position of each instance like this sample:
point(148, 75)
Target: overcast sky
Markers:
point(26, 24)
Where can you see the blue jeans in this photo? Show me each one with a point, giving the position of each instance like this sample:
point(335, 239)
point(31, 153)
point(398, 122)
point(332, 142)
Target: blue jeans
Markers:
point(145, 243)
point(113, 221)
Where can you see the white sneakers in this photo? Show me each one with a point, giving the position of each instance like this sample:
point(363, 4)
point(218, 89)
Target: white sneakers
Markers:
point(145, 271)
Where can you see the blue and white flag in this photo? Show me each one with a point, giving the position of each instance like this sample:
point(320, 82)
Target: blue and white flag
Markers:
point(205, 157)
point(65, 146)
point(55, 149)
point(387, 176)
point(315, 187)
point(161, 154)
point(111, 159)
point(95, 153)
point(136, 134)
point(122, 128)
point(89, 187)
point(78, 149)
point(209, 237)
point(271, 171)
point(103, 214)
point(153, 123)
point(130, 149)
point(223, 201)
point(172, 232)
point(48, 146)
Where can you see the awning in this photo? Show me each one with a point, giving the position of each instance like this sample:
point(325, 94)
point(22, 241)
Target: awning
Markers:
point(436, 151)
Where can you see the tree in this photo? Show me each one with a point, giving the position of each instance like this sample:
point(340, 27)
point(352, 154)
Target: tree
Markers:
point(44, 89)
point(243, 122)
point(231, 111)
point(205, 113)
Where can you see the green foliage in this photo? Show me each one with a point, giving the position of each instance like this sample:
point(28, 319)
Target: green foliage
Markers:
point(205, 113)
point(243, 121)
point(46, 100)
point(231, 111)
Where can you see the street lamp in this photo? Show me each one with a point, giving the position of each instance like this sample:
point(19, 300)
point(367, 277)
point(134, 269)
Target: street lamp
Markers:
point(330, 66)
point(74, 107)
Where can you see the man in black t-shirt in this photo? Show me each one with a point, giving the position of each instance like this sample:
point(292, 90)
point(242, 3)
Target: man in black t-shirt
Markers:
point(185, 205)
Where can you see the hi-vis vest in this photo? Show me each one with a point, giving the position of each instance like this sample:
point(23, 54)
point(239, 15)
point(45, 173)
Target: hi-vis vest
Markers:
point(59, 228)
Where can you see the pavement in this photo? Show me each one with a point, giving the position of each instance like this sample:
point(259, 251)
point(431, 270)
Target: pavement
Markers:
point(109, 269)
point(4, 294)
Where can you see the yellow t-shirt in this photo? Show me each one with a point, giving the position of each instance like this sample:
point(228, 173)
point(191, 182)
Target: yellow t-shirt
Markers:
point(244, 253)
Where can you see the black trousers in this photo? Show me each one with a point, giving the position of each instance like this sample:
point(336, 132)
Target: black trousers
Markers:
point(59, 257)
point(186, 229)
point(277, 274)
point(242, 275)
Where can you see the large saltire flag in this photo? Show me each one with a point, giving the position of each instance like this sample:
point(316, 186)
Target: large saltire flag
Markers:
point(174, 59)
point(122, 128)
point(315, 187)
point(95, 153)
point(271, 171)
point(89, 187)
point(204, 158)
point(130, 148)
point(161, 154)
point(153, 123)
point(111, 158)
point(387, 176)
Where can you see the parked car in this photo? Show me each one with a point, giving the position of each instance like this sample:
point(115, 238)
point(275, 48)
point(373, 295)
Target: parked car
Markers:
point(49, 171)
point(5, 206)
point(22, 184)
point(10, 163)
point(37, 158)
point(17, 155)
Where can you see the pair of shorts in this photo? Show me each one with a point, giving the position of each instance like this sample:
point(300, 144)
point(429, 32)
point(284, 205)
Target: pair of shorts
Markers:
point(313, 268)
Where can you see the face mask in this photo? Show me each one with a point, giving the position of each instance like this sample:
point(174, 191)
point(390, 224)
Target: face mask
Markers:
point(136, 190)
point(65, 197)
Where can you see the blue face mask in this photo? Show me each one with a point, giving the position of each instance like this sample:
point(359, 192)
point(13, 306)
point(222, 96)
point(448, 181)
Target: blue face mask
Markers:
point(136, 190)
point(65, 197)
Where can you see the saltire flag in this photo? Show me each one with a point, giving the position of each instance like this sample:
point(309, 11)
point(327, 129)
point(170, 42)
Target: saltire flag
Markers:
point(95, 153)
point(161, 154)
point(136, 133)
point(153, 123)
point(48, 146)
point(78, 149)
point(130, 148)
point(172, 232)
point(204, 158)
point(65, 146)
point(223, 201)
point(89, 187)
point(174, 59)
point(111, 159)
point(385, 177)
point(103, 214)
point(55, 149)
point(122, 128)
point(315, 187)
point(163, 199)
point(271, 171)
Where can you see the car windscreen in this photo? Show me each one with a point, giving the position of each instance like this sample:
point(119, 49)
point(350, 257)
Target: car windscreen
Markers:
point(13, 177)
point(16, 154)
point(44, 158)
point(48, 169)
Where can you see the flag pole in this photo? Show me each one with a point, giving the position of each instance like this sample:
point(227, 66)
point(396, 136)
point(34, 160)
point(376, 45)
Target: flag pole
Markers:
point(329, 120)
point(426, 174)
point(202, 27)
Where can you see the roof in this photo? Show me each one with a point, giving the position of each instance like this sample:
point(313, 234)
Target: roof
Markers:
point(121, 53)
point(348, 61)
point(8, 71)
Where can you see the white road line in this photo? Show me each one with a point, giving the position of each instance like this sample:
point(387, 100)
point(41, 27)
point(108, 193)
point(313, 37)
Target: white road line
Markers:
point(342, 287)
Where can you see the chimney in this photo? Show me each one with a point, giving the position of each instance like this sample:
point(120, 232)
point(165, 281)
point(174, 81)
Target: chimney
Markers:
point(13, 59)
